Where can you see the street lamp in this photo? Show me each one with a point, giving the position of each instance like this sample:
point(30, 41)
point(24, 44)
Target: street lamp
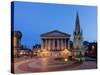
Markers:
point(65, 59)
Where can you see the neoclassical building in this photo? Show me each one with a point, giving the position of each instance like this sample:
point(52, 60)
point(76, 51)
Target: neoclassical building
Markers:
point(55, 44)
point(55, 40)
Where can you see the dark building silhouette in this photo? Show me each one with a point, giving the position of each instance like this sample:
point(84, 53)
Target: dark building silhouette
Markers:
point(92, 50)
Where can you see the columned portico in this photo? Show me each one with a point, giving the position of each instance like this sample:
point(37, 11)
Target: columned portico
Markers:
point(55, 40)
point(55, 44)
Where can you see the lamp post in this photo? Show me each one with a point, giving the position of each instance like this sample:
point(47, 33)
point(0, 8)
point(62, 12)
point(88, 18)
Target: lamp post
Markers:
point(66, 54)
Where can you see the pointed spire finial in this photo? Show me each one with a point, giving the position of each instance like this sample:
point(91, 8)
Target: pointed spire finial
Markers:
point(77, 26)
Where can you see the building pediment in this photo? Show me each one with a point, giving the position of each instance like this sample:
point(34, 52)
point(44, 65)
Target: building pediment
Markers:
point(55, 33)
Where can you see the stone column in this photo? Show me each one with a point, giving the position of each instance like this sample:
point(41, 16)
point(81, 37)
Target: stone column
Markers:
point(68, 43)
point(54, 44)
point(49, 44)
point(60, 44)
point(57, 44)
point(65, 44)
point(45, 43)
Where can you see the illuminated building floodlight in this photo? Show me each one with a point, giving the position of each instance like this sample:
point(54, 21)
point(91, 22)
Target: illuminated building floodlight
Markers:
point(65, 59)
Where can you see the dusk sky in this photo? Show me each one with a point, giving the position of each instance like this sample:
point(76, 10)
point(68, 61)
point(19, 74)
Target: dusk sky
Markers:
point(33, 19)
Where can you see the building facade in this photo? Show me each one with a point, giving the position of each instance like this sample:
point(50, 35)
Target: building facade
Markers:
point(18, 49)
point(92, 50)
point(55, 43)
point(17, 35)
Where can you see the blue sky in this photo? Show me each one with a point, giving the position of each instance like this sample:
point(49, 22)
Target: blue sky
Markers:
point(33, 19)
